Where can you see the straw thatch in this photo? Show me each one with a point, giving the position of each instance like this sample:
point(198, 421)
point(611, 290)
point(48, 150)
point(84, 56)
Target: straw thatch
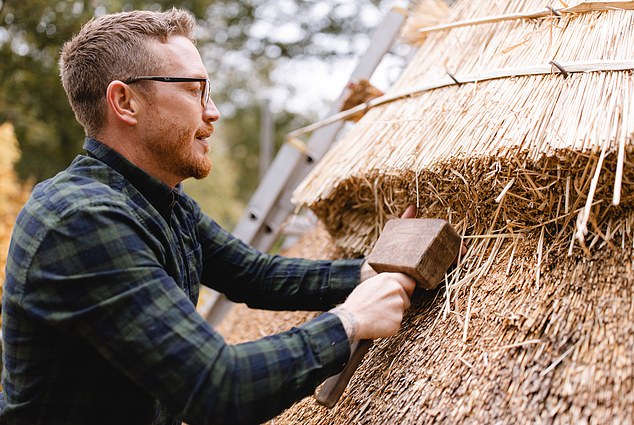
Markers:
point(531, 165)
point(374, 169)
point(558, 353)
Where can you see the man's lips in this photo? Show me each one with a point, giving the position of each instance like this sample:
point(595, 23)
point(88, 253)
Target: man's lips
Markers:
point(204, 134)
point(203, 139)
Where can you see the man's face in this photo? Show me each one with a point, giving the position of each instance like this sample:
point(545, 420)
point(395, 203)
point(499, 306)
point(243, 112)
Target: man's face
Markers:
point(176, 128)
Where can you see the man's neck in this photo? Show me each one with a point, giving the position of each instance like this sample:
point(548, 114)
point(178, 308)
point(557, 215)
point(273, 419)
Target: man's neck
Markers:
point(128, 146)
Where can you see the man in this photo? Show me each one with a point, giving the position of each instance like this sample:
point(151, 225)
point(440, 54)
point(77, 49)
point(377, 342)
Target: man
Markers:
point(105, 260)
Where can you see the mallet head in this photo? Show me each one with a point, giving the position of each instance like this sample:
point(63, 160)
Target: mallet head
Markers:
point(421, 248)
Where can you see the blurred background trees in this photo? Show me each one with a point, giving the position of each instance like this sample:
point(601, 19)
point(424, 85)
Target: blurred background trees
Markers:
point(253, 49)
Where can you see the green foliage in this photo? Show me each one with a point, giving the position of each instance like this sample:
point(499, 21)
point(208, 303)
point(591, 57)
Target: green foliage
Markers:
point(31, 96)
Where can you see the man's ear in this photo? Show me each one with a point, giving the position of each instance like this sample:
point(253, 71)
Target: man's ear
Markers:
point(122, 102)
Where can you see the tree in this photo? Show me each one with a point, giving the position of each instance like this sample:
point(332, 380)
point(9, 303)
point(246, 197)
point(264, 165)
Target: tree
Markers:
point(31, 96)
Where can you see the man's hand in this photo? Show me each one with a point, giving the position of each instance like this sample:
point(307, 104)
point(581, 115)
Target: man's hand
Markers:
point(377, 306)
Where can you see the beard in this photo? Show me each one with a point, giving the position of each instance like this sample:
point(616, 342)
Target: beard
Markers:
point(173, 146)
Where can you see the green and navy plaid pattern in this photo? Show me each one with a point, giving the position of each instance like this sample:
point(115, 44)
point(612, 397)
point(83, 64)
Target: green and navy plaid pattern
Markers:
point(98, 316)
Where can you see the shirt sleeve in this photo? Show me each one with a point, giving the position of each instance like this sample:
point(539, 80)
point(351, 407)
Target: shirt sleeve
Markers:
point(97, 275)
point(272, 282)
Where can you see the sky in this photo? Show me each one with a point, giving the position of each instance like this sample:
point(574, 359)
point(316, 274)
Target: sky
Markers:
point(318, 82)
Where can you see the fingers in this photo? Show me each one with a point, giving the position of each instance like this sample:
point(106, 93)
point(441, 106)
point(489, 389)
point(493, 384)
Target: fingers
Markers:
point(379, 303)
point(406, 287)
point(407, 301)
point(407, 283)
point(410, 212)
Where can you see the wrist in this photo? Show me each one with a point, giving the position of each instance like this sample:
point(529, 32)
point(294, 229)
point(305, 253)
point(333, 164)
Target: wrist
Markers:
point(366, 271)
point(348, 321)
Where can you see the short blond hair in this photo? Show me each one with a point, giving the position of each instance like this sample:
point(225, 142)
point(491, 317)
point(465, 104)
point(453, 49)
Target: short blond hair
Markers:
point(114, 47)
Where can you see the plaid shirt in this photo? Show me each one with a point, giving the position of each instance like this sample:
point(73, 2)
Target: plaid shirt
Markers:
point(99, 317)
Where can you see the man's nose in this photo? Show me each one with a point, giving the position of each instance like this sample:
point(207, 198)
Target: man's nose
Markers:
point(211, 113)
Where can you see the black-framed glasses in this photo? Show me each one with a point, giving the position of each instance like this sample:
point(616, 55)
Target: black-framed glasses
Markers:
point(204, 94)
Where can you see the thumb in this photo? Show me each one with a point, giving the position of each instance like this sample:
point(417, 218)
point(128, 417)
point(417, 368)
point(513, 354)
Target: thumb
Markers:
point(410, 212)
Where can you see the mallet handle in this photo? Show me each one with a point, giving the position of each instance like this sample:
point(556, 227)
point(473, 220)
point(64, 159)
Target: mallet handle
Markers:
point(332, 388)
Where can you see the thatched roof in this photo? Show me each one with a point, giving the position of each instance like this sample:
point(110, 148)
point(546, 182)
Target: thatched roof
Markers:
point(513, 124)
point(532, 167)
point(558, 353)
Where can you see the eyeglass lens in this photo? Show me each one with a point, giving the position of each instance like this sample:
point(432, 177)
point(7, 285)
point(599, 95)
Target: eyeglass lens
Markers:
point(205, 94)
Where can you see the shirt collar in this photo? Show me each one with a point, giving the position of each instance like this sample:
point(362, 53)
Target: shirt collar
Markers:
point(160, 195)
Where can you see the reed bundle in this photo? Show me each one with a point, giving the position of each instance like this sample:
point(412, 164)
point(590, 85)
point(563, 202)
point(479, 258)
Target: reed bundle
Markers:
point(537, 322)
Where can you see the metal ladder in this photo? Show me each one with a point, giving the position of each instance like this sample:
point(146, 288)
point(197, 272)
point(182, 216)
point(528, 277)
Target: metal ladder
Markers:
point(271, 205)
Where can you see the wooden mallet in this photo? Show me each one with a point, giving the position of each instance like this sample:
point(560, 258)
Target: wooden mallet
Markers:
point(418, 247)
